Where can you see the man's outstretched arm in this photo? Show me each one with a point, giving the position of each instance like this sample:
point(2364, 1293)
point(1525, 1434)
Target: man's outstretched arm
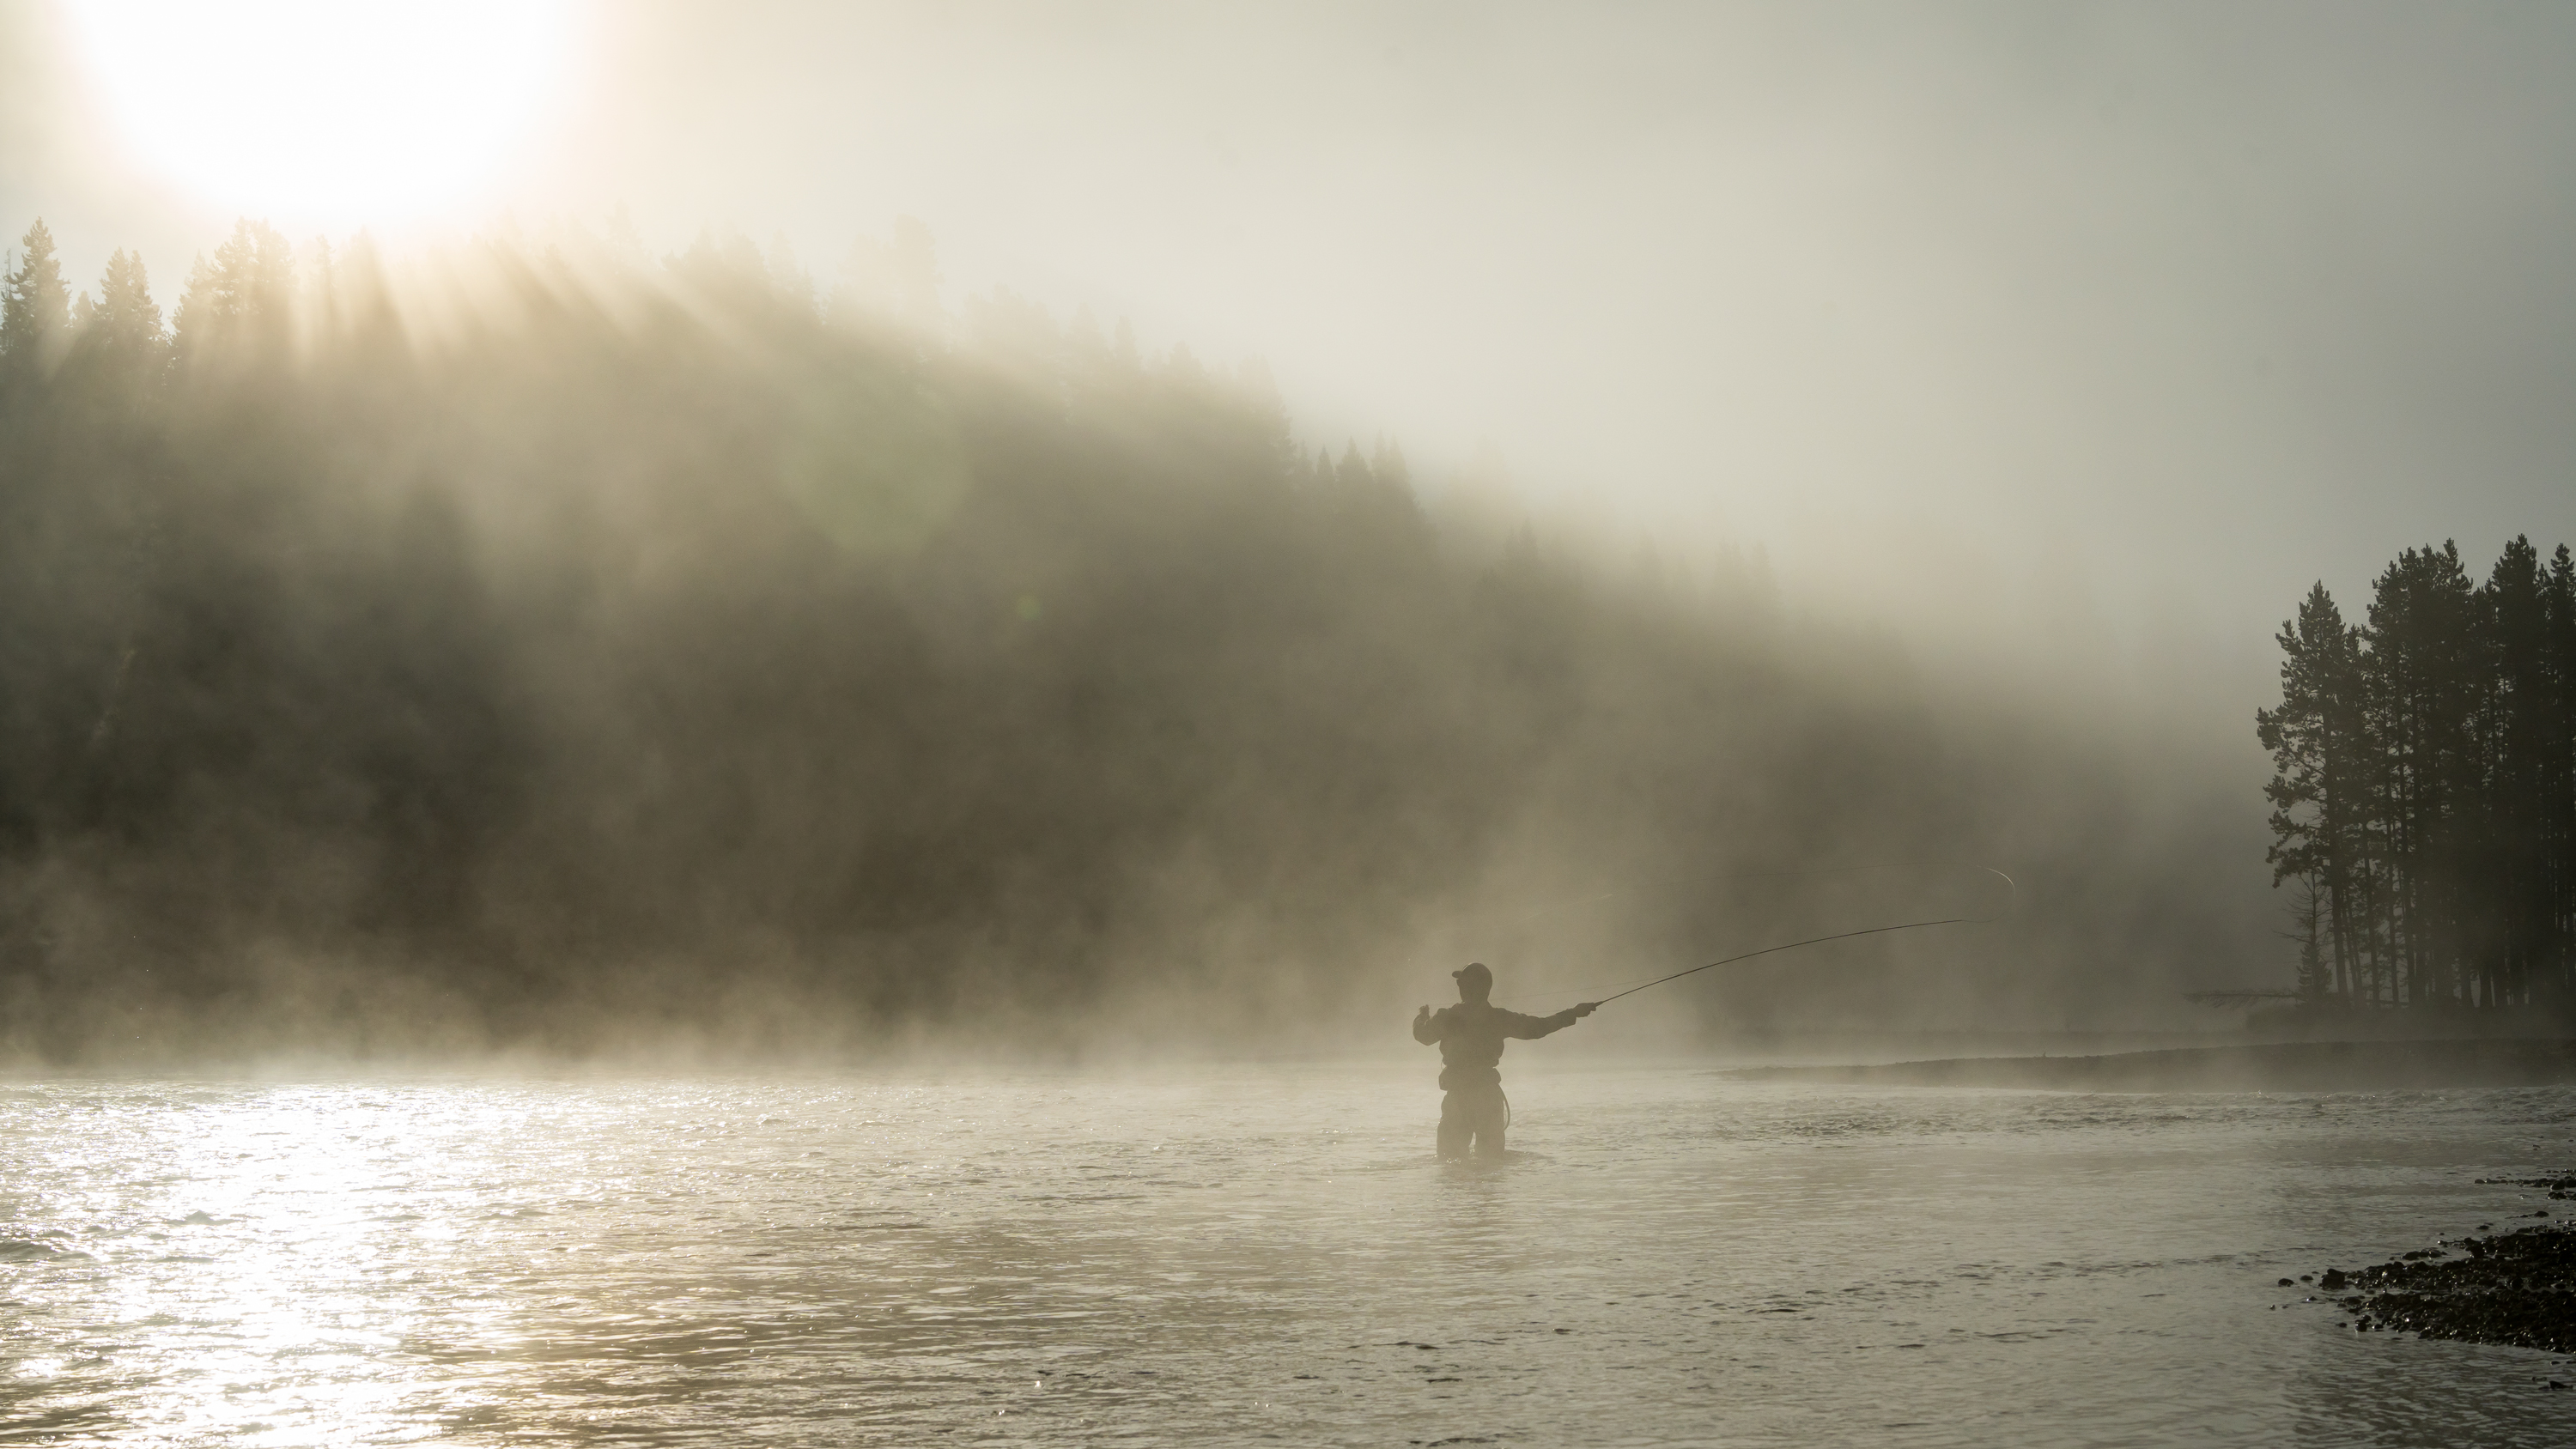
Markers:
point(1531, 1028)
point(1426, 1027)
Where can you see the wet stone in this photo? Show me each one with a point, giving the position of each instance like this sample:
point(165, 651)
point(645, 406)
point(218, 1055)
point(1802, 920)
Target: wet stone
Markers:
point(2562, 1185)
point(2519, 1289)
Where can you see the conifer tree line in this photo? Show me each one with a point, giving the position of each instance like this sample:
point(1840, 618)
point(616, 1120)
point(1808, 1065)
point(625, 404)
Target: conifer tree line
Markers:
point(2424, 797)
point(553, 638)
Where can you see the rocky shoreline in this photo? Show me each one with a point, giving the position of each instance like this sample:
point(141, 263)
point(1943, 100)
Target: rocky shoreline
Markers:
point(2518, 1288)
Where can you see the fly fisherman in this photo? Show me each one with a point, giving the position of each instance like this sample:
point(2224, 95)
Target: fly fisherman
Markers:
point(1471, 1036)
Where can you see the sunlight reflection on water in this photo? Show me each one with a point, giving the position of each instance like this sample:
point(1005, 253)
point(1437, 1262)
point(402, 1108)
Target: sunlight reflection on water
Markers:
point(1238, 1254)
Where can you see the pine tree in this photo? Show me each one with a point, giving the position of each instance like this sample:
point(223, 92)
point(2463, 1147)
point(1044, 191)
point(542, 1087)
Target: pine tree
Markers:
point(1386, 461)
point(2554, 956)
point(35, 309)
point(2509, 894)
point(2422, 647)
point(239, 306)
point(118, 353)
point(2319, 753)
point(125, 331)
point(1353, 471)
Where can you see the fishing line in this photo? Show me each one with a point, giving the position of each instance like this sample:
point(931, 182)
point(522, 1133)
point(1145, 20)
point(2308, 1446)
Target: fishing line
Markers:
point(2014, 895)
point(1836, 870)
point(1553, 907)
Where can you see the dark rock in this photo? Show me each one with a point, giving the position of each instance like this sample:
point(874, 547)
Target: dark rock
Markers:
point(2286, 1283)
point(2518, 1289)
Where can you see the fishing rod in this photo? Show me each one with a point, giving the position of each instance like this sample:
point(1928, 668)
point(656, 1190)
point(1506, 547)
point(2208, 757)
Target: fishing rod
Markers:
point(2014, 894)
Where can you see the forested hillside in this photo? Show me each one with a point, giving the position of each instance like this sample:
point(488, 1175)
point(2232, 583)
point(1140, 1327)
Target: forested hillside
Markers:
point(563, 642)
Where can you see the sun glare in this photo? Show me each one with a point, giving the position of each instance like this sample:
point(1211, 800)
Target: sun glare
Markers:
point(348, 111)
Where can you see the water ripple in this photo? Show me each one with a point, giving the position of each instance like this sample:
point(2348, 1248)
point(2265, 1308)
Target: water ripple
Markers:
point(1250, 1253)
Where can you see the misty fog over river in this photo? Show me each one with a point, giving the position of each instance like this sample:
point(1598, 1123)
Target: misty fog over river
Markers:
point(1234, 1255)
point(749, 724)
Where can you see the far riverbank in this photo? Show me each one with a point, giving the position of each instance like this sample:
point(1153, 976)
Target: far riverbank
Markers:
point(2333, 1066)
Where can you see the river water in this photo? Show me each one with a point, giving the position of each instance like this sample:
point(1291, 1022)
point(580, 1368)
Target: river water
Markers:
point(1236, 1255)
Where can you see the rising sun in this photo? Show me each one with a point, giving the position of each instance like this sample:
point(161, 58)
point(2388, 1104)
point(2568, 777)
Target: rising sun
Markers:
point(351, 111)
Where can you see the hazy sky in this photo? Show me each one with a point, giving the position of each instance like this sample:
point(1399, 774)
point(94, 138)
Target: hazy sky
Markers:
point(2092, 330)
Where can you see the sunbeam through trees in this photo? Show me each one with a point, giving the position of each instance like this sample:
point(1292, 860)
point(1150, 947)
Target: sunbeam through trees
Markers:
point(560, 639)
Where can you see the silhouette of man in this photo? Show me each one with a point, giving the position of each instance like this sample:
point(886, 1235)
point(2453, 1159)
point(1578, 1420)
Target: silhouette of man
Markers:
point(1471, 1036)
